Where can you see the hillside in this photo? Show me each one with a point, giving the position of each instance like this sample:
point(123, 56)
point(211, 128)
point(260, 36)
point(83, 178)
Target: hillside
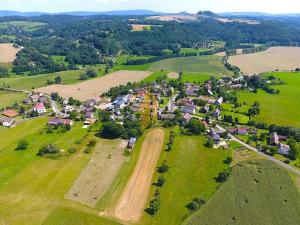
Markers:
point(258, 192)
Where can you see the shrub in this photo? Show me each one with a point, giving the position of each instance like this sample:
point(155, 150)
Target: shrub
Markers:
point(48, 150)
point(22, 145)
point(72, 150)
point(163, 168)
point(222, 177)
point(160, 181)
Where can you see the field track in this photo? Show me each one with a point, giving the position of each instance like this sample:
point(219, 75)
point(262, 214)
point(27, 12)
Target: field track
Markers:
point(275, 58)
point(8, 53)
point(95, 87)
point(131, 204)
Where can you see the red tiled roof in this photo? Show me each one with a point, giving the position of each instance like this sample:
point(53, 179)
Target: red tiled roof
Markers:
point(10, 113)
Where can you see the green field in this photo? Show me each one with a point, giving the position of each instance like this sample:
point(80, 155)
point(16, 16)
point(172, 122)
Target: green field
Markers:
point(192, 171)
point(280, 109)
point(33, 188)
point(8, 98)
point(26, 25)
point(258, 192)
point(195, 77)
point(204, 65)
point(193, 50)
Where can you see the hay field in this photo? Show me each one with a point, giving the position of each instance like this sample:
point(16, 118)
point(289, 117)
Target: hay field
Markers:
point(257, 192)
point(92, 88)
point(130, 205)
point(275, 58)
point(173, 75)
point(97, 177)
point(8, 53)
point(177, 18)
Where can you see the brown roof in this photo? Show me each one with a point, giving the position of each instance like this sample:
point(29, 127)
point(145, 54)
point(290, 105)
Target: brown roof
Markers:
point(10, 113)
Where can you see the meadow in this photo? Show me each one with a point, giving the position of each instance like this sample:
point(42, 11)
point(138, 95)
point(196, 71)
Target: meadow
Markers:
point(8, 98)
point(191, 175)
point(33, 188)
point(26, 25)
point(204, 65)
point(257, 192)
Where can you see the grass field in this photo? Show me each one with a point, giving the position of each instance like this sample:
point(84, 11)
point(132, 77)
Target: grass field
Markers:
point(192, 171)
point(8, 98)
point(281, 58)
point(280, 109)
point(31, 186)
point(203, 65)
point(193, 50)
point(258, 192)
point(26, 25)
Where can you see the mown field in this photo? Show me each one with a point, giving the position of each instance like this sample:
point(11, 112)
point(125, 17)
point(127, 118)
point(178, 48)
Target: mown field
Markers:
point(8, 98)
point(33, 188)
point(204, 65)
point(191, 174)
point(281, 109)
point(258, 192)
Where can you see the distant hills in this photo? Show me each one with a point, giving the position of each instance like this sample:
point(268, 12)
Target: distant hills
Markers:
point(142, 12)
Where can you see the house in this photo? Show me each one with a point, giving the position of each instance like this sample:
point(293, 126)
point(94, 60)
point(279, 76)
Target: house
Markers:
point(217, 113)
point(283, 149)
point(216, 138)
point(68, 109)
point(27, 101)
point(131, 142)
point(167, 116)
point(7, 122)
point(205, 109)
point(207, 99)
point(58, 122)
point(275, 139)
point(89, 115)
point(96, 101)
point(219, 101)
point(191, 109)
point(40, 108)
point(186, 118)
point(239, 131)
point(34, 98)
point(10, 113)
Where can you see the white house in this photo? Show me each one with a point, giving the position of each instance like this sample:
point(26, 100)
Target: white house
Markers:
point(283, 149)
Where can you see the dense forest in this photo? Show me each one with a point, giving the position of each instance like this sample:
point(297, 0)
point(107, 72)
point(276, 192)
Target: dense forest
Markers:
point(87, 40)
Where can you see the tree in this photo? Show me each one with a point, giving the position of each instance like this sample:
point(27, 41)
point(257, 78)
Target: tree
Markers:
point(222, 177)
point(196, 127)
point(228, 160)
point(160, 181)
point(22, 145)
point(3, 72)
point(111, 130)
point(163, 168)
point(209, 143)
point(57, 80)
point(48, 149)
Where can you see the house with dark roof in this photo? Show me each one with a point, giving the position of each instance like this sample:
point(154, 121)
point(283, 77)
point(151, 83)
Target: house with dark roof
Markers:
point(191, 109)
point(239, 131)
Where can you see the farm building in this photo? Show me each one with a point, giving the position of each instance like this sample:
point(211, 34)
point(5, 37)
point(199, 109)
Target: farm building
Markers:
point(10, 113)
point(131, 142)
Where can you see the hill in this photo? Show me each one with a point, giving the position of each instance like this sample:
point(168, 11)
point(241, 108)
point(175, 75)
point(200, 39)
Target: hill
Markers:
point(258, 192)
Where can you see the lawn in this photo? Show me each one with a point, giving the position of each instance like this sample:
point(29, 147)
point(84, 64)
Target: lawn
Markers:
point(191, 174)
point(258, 192)
point(206, 65)
point(8, 98)
point(31, 186)
point(280, 109)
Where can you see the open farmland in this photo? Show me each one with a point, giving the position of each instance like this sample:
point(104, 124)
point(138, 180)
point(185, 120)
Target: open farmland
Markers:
point(275, 58)
point(25, 25)
point(258, 192)
point(281, 109)
point(8, 53)
point(178, 18)
point(140, 27)
point(92, 88)
point(131, 203)
point(96, 179)
point(191, 175)
point(206, 65)
point(8, 98)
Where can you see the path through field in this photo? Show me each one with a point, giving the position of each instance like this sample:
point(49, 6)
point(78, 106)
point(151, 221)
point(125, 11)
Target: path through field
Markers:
point(132, 202)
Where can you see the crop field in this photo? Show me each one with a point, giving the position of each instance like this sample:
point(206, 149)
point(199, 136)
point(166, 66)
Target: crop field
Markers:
point(140, 27)
point(26, 25)
point(275, 58)
point(92, 88)
point(258, 192)
point(8, 53)
point(131, 203)
point(191, 175)
point(208, 65)
point(280, 109)
point(8, 98)
point(33, 188)
point(97, 177)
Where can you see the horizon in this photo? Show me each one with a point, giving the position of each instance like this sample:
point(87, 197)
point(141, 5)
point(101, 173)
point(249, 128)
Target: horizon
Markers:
point(174, 6)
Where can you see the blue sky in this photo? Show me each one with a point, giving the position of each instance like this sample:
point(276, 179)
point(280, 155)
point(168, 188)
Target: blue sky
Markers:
point(270, 6)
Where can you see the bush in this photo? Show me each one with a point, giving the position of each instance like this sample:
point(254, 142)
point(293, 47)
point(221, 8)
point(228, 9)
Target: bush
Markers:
point(160, 181)
point(71, 150)
point(92, 143)
point(49, 149)
point(222, 177)
point(22, 145)
point(209, 143)
point(228, 160)
point(195, 204)
point(111, 130)
point(163, 168)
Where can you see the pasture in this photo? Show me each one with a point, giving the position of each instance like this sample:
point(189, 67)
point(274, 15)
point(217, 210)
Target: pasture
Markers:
point(92, 88)
point(275, 58)
point(8, 53)
point(191, 174)
point(280, 109)
point(208, 65)
point(8, 98)
point(257, 192)
point(131, 203)
point(97, 177)
point(33, 188)
point(25, 25)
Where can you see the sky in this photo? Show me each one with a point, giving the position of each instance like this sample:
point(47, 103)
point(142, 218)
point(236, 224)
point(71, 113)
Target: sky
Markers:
point(192, 6)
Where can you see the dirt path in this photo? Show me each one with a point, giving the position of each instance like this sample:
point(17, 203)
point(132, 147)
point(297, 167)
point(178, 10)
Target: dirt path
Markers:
point(132, 202)
point(97, 177)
